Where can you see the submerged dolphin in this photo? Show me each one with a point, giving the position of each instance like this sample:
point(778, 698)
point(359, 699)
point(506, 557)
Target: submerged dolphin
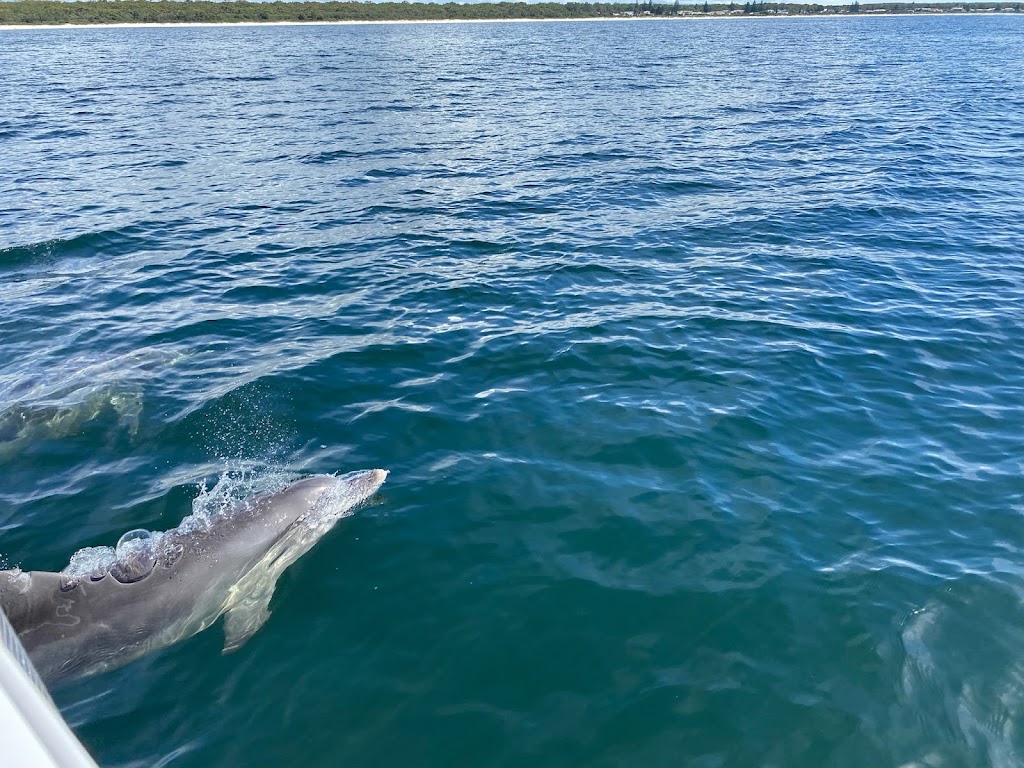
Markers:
point(159, 588)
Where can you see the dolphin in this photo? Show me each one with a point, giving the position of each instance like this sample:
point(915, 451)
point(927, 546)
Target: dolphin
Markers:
point(156, 589)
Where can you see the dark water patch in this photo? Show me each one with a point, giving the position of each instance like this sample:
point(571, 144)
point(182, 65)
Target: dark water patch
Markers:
point(389, 173)
point(683, 187)
point(462, 79)
point(67, 133)
point(9, 129)
point(330, 157)
point(484, 208)
point(250, 78)
point(170, 163)
point(270, 159)
point(149, 163)
point(391, 108)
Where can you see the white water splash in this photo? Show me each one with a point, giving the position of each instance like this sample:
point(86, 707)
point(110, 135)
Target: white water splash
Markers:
point(235, 484)
point(90, 560)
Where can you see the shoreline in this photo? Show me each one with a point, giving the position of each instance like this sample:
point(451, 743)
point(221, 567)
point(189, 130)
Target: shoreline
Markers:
point(354, 22)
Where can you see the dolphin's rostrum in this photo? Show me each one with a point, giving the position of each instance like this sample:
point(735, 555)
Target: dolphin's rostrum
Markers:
point(158, 588)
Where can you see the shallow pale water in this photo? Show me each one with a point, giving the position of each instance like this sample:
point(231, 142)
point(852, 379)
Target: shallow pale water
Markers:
point(696, 351)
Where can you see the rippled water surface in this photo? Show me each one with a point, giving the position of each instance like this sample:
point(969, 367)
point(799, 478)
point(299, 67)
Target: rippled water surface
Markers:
point(696, 351)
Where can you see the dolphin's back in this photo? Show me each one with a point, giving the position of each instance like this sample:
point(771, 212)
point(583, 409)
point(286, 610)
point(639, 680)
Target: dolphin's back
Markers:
point(69, 630)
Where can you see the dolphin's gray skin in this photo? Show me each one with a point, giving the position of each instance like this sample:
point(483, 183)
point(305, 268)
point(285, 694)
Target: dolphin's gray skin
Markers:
point(164, 587)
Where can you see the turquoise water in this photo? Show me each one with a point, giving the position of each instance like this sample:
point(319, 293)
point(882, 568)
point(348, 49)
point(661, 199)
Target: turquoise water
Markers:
point(695, 350)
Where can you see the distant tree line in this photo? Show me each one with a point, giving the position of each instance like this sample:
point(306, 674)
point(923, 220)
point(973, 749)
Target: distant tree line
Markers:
point(195, 11)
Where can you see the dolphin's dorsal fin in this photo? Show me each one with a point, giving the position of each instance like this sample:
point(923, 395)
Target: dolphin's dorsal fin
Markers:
point(243, 619)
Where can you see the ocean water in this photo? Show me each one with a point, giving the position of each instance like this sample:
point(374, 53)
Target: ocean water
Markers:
point(695, 350)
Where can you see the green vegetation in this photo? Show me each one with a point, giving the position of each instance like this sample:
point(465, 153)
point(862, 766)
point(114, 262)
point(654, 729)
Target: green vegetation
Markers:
point(163, 11)
point(171, 11)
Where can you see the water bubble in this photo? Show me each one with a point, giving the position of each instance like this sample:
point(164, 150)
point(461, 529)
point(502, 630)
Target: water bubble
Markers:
point(130, 536)
point(136, 556)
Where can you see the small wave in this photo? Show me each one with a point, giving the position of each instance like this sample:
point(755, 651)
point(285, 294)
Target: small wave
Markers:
point(70, 133)
point(321, 158)
point(391, 108)
point(89, 245)
point(251, 78)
